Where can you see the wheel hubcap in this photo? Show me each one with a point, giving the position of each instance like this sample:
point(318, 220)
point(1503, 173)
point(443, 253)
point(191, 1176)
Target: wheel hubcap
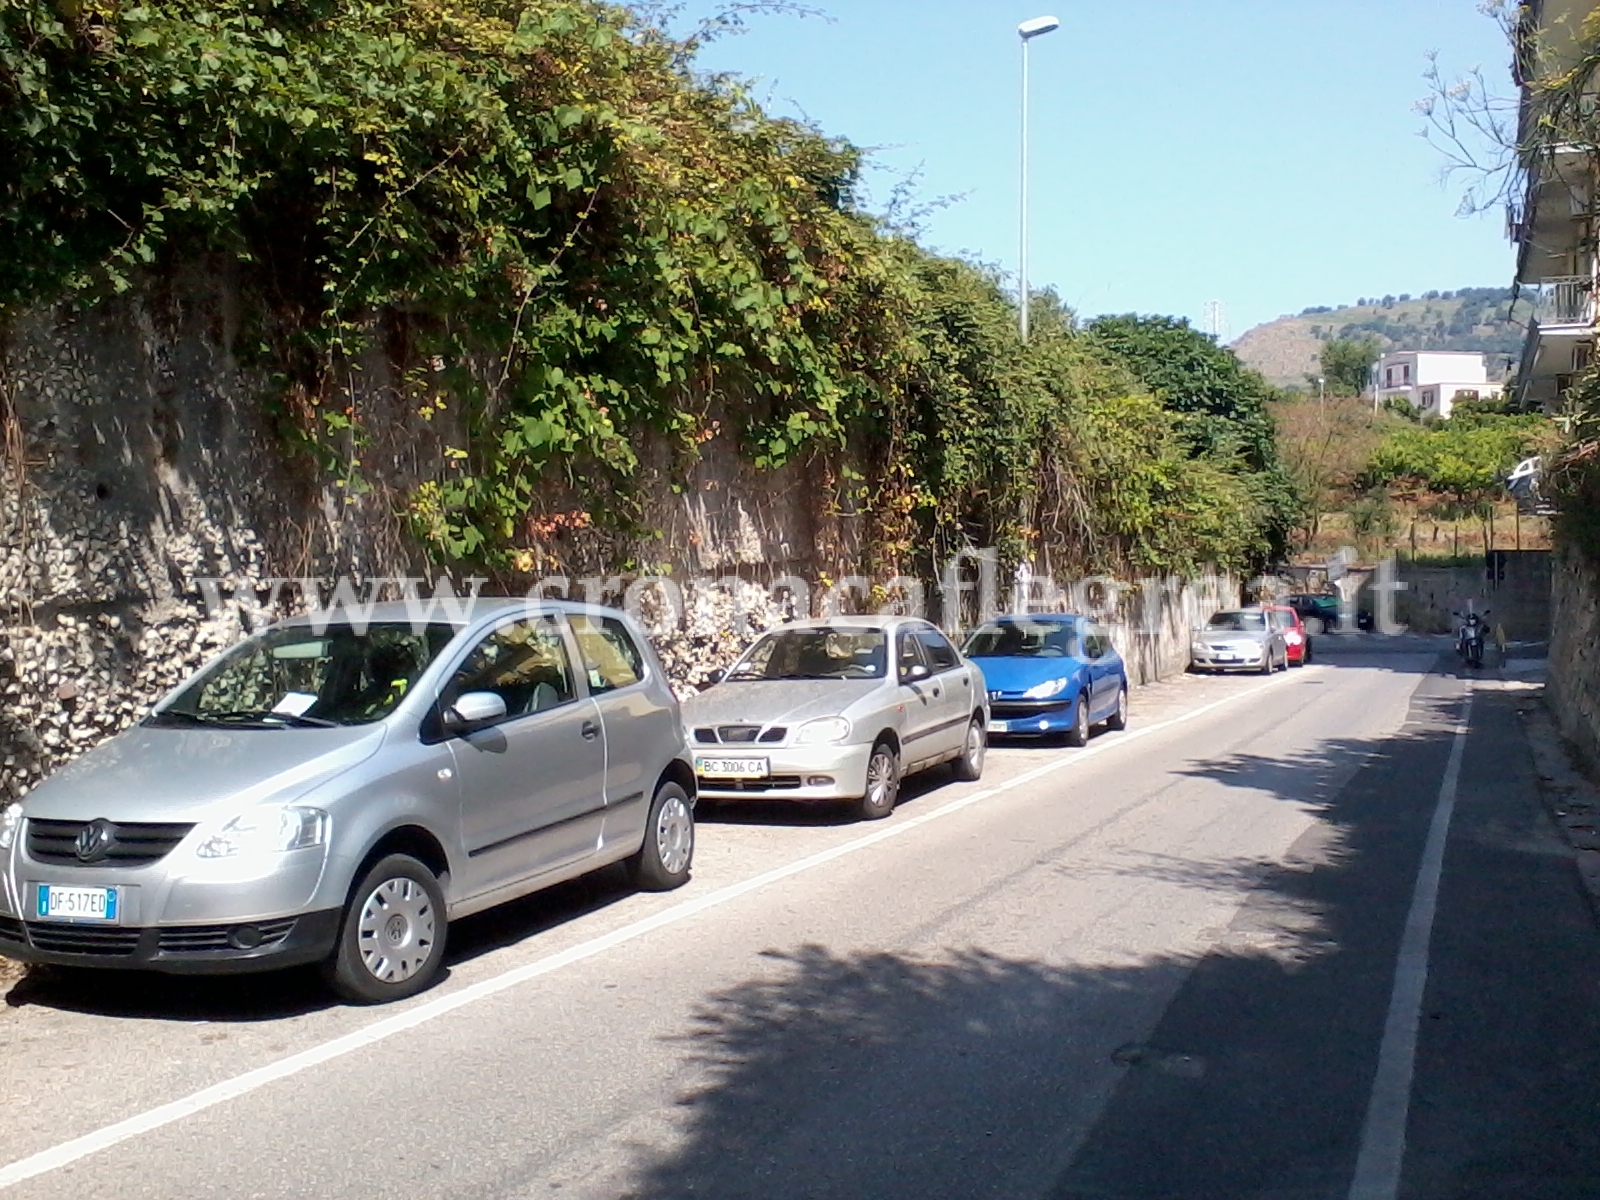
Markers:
point(975, 746)
point(674, 835)
point(880, 779)
point(1122, 707)
point(396, 930)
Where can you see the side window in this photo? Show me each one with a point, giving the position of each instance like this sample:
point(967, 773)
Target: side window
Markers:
point(941, 655)
point(908, 654)
point(1097, 643)
point(524, 663)
point(611, 659)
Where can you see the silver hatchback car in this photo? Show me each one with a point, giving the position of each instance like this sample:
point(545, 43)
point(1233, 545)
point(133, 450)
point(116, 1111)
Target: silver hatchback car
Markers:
point(839, 709)
point(338, 792)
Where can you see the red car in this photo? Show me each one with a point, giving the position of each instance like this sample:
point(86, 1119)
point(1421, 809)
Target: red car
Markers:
point(1295, 636)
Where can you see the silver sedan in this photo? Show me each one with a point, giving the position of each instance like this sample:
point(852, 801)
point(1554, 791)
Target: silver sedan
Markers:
point(1239, 639)
point(838, 709)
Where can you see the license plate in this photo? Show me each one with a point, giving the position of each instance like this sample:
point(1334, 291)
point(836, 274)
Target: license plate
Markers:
point(732, 768)
point(999, 726)
point(77, 903)
point(1227, 658)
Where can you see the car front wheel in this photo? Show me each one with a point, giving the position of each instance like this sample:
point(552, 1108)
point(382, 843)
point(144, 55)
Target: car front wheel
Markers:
point(391, 941)
point(883, 783)
point(1078, 735)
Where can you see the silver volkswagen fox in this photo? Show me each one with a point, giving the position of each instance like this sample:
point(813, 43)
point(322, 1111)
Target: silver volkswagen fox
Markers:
point(337, 792)
point(839, 709)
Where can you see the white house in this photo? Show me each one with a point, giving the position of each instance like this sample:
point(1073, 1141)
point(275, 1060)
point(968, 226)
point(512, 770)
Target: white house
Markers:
point(1431, 381)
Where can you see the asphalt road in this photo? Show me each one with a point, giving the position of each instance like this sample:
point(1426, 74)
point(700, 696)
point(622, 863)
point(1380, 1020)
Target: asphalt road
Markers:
point(1302, 937)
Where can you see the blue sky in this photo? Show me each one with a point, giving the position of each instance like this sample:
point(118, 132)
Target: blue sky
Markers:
point(1263, 153)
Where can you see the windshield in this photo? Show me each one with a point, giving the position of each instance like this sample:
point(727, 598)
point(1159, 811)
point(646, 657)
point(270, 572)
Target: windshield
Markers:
point(842, 653)
point(1242, 622)
point(1016, 639)
point(300, 677)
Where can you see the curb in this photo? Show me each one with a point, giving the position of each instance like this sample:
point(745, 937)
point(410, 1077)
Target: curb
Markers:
point(1571, 798)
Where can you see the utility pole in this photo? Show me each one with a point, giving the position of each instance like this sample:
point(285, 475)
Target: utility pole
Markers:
point(1027, 31)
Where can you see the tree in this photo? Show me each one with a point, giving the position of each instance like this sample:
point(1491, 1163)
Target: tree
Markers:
point(1347, 364)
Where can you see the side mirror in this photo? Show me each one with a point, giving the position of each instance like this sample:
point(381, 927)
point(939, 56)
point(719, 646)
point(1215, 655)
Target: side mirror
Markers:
point(716, 676)
point(473, 709)
point(918, 671)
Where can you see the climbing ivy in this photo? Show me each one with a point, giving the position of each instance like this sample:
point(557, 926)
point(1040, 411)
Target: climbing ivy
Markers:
point(585, 247)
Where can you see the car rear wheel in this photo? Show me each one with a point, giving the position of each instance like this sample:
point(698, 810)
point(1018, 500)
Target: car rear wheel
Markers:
point(391, 941)
point(969, 767)
point(663, 862)
point(883, 783)
point(1078, 735)
point(1119, 719)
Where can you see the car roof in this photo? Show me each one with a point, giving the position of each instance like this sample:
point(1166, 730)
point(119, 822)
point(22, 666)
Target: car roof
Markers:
point(459, 612)
point(1060, 618)
point(878, 621)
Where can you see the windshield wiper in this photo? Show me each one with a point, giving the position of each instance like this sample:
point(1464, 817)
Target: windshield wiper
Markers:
point(269, 717)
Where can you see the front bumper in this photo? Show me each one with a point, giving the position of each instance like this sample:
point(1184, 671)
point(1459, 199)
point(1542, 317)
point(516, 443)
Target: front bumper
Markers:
point(174, 949)
point(793, 773)
point(1032, 716)
point(1227, 660)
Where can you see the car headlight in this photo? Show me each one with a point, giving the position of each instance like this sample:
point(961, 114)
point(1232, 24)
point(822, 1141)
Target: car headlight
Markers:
point(823, 729)
point(10, 822)
point(1043, 691)
point(1199, 648)
point(266, 831)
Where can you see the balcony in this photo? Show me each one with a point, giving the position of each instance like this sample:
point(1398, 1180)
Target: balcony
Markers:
point(1565, 302)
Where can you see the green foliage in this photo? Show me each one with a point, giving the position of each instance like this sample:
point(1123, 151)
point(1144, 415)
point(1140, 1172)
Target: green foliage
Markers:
point(1222, 405)
point(1466, 457)
point(1347, 364)
point(540, 221)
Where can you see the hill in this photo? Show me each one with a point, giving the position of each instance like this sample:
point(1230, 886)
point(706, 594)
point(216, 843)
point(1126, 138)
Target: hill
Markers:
point(1286, 350)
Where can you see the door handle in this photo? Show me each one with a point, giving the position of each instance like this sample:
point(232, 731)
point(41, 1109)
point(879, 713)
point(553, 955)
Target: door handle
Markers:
point(590, 731)
point(937, 692)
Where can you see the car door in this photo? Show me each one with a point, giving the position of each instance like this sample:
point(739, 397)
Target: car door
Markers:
point(1104, 679)
point(919, 698)
point(532, 783)
point(952, 690)
point(641, 727)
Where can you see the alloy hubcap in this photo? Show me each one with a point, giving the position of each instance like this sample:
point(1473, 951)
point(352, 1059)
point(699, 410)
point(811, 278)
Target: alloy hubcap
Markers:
point(975, 746)
point(674, 835)
point(395, 931)
point(1122, 706)
point(880, 779)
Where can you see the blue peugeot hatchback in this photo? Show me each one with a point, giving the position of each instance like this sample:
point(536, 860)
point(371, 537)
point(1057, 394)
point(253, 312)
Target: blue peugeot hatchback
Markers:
point(1052, 674)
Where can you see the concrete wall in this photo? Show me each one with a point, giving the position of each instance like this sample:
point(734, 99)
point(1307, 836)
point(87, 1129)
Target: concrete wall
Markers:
point(1519, 603)
point(138, 458)
point(1574, 681)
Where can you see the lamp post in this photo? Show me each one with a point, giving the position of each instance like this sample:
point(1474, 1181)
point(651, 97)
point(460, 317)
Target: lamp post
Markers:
point(1027, 31)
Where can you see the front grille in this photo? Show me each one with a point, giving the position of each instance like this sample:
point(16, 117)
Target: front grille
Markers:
point(132, 844)
point(725, 734)
point(196, 939)
point(83, 939)
point(773, 783)
point(11, 930)
point(1003, 709)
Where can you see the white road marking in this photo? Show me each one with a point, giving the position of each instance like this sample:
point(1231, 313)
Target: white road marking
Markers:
point(103, 1139)
point(1383, 1135)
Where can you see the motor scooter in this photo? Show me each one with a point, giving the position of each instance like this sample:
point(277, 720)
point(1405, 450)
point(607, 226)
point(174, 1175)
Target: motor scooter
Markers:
point(1469, 638)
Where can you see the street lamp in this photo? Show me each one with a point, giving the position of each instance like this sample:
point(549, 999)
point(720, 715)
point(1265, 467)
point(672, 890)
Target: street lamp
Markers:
point(1027, 31)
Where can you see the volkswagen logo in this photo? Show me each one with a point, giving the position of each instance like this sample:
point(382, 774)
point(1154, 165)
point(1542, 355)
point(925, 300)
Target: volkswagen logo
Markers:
point(94, 839)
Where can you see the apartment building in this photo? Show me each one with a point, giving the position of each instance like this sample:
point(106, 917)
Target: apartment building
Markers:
point(1432, 381)
point(1554, 225)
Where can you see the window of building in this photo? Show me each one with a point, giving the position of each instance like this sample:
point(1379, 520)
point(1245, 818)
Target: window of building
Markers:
point(1428, 397)
point(1582, 356)
point(1405, 372)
